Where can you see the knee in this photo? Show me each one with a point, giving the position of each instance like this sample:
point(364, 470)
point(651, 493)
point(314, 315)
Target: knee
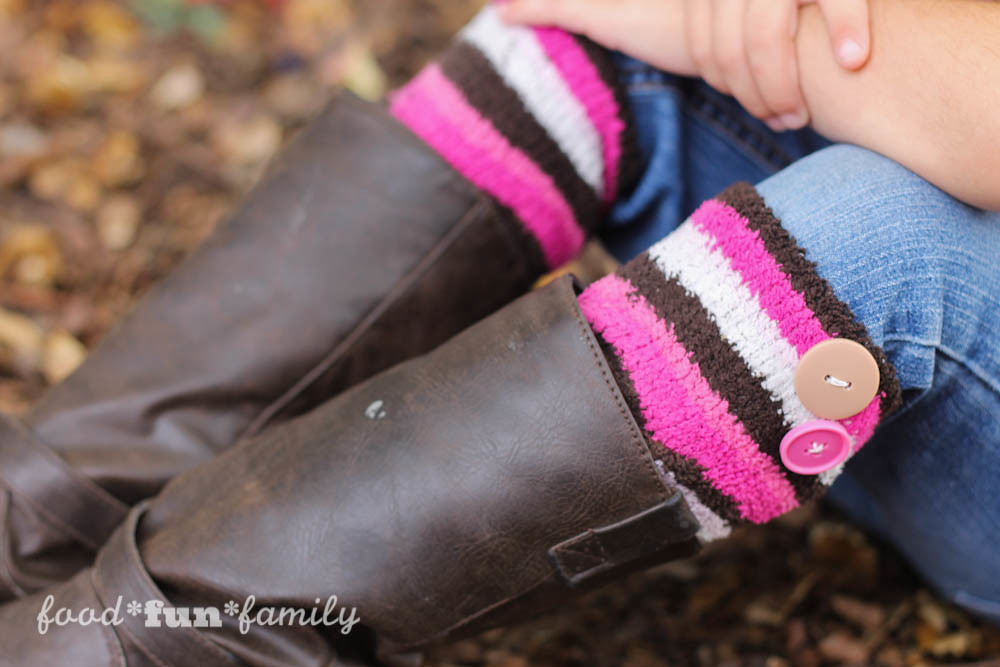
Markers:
point(884, 213)
point(856, 211)
point(917, 267)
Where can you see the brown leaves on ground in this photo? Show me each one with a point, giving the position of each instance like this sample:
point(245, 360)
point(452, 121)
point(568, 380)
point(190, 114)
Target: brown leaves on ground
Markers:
point(808, 590)
point(128, 129)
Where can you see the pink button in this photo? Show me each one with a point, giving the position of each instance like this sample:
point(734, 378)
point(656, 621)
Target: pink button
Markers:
point(815, 447)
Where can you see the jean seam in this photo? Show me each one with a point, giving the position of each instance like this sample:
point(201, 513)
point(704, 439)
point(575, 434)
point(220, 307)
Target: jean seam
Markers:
point(713, 107)
point(973, 368)
point(756, 143)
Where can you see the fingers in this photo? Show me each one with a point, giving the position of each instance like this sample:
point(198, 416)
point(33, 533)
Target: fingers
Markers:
point(769, 28)
point(729, 44)
point(580, 16)
point(604, 21)
point(745, 48)
point(848, 23)
point(698, 20)
point(650, 30)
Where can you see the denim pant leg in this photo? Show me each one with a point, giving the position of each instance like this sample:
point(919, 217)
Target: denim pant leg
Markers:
point(921, 270)
point(694, 143)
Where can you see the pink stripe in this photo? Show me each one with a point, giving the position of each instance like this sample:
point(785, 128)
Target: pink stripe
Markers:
point(760, 272)
point(862, 425)
point(438, 112)
point(748, 255)
point(597, 98)
point(680, 409)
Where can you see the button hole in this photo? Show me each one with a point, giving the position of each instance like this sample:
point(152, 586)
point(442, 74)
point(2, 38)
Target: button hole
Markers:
point(837, 382)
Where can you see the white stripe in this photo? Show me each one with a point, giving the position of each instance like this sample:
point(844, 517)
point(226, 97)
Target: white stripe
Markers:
point(828, 477)
point(686, 256)
point(713, 526)
point(518, 57)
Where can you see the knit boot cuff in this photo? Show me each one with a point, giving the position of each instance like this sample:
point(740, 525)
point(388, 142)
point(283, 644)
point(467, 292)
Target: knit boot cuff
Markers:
point(537, 118)
point(719, 336)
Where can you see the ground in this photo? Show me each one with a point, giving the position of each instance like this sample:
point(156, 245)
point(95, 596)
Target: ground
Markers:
point(128, 129)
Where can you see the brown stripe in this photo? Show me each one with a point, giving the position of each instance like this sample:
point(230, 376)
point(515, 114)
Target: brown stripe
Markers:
point(687, 471)
point(486, 90)
point(721, 366)
point(834, 315)
point(630, 167)
point(526, 244)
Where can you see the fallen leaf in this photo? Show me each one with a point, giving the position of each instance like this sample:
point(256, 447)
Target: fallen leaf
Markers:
point(248, 142)
point(926, 635)
point(23, 337)
point(22, 140)
point(363, 76)
point(844, 548)
point(866, 616)
point(51, 180)
point(178, 87)
point(954, 645)
point(108, 25)
point(843, 648)
point(118, 221)
point(84, 192)
point(891, 656)
point(61, 355)
point(61, 87)
point(933, 614)
point(118, 160)
point(31, 254)
point(115, 75)
point(294, 96)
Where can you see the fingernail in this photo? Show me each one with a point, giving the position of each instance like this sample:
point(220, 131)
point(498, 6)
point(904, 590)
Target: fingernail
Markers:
point(774, 124)
point(850, 53)
point(794, 121)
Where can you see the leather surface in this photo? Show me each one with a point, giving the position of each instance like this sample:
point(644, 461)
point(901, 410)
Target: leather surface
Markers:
point(21, 644)
point(432, 513)
point(360, 248)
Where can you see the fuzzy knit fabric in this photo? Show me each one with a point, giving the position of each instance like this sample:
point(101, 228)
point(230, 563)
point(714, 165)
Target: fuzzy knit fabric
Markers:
point(704, 332)
point(534, 116)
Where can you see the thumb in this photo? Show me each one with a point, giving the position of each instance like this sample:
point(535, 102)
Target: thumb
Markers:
point(848, 23)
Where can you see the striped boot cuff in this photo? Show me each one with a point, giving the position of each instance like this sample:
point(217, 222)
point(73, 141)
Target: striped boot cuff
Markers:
point(705, 332)
point(536, 117)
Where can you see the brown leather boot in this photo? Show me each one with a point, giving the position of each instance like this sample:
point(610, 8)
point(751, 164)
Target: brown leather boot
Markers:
point(361, 248)
point(483, 482)
point(359, 232)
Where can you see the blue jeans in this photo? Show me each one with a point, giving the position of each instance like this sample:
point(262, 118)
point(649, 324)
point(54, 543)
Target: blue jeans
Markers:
point(919, 269)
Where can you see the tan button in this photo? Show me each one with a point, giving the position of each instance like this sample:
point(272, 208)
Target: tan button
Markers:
point(836, 379)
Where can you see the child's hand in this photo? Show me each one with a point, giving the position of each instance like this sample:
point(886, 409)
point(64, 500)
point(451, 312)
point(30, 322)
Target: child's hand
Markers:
point(745, 48)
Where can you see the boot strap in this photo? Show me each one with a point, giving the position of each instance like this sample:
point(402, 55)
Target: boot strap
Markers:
point(119, 571)
point(598, 550)
point(65, 498)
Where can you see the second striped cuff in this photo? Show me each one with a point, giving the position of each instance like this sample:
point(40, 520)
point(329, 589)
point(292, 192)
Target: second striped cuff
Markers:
point(704, 332)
